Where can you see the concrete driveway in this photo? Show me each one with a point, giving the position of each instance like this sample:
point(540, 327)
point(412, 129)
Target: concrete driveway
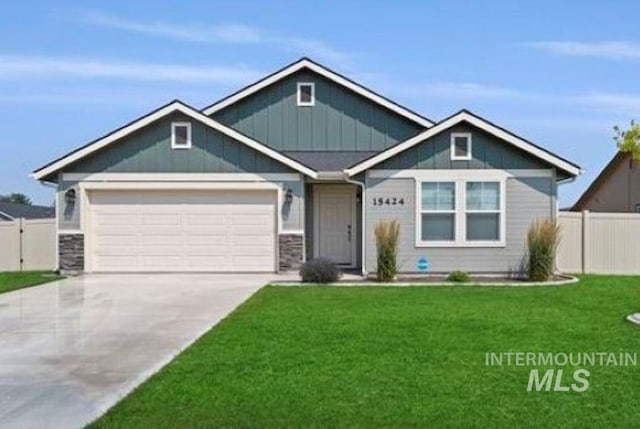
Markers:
point(70, 349)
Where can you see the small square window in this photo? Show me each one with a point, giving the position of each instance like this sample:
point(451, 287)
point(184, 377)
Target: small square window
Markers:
point(306, 94)
point(180, 135)
point(461, 146)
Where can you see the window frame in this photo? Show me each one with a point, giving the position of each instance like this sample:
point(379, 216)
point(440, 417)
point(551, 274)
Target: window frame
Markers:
point(460, 235)
point(466, 157)
point(299, 94)
point(174, 145)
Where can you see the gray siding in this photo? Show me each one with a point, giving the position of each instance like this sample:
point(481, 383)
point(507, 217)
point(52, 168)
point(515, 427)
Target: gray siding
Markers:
point(340, 120)
point(487, 152)
point(527, 199)
point(149, 151)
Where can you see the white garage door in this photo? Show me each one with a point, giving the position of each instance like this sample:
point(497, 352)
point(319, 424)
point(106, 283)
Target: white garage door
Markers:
point(215, 231)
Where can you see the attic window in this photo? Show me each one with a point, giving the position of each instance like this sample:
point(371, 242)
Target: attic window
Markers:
point(180, 135)
point(306, 94)
point(460, 146)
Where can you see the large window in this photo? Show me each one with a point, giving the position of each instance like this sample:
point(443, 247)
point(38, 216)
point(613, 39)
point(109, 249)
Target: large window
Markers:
point(438, 211)
point(460, 212)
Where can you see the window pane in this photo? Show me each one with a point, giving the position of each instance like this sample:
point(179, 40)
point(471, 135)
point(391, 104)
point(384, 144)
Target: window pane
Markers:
point(483, 196)
point(181, 135)
point(438, 196)
point(461, 146)
point(305, 93)
point(483, 226)
point(438, 226)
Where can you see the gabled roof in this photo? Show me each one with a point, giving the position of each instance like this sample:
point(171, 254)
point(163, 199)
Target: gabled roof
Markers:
point(174, 106)
point(466, 116)
point(306, 63)
point(27, 211)
point(600, 180)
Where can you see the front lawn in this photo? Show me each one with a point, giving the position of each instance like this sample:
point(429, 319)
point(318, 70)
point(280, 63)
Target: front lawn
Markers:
point(319, 357)
point(13, 280)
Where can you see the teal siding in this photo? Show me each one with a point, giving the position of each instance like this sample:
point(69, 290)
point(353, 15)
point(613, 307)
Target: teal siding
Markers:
point(149, 151)
point(340, 119)
point(487, 152)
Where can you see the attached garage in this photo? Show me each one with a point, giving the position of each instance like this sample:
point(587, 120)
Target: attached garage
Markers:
point(181, 230)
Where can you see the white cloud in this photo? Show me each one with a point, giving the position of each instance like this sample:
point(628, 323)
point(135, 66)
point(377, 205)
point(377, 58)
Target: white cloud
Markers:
point(610, 50)
point(220, 33)
point(45, 67)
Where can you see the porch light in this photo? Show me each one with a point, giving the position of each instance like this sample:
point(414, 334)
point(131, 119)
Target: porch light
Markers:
point(70, 196)
point(288, 197)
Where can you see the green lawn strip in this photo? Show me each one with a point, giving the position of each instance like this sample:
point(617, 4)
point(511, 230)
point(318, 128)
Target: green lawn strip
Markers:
point(20, 279)
point(317, 357)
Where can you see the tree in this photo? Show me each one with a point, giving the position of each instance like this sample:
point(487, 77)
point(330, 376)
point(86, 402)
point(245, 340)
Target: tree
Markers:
point(15, 197)
point(629, 140)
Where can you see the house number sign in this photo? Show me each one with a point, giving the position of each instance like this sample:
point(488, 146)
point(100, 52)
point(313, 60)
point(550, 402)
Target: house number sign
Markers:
point(388, 201)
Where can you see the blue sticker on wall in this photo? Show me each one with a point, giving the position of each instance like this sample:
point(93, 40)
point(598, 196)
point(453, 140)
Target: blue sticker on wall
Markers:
point(423, 264)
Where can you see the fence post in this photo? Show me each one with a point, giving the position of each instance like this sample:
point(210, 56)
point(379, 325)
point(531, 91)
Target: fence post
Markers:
point(585, 241)
point(20, 242)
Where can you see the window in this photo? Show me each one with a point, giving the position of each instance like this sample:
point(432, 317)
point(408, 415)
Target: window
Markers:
point(637, 208)
point(483, 211)
point(438, 211)
point(306, 94)
point(460, 146)
point(461, 212)
point(180, 135)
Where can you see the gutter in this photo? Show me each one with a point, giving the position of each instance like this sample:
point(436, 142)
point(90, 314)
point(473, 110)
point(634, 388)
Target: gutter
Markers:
point(346, 178)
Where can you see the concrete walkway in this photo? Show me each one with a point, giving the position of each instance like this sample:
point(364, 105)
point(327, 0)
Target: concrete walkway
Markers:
point(70, 349)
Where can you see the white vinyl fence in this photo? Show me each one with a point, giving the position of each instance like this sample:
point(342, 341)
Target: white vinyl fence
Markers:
point(27, 245)
point(599, 243)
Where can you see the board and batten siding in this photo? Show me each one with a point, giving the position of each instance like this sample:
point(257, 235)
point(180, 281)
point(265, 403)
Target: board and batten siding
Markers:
point(149, 151)
point(527, 199)
point(340, 120)
point(487, 152)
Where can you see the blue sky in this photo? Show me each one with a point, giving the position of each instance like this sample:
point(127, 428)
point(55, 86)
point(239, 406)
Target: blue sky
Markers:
point(560, 74)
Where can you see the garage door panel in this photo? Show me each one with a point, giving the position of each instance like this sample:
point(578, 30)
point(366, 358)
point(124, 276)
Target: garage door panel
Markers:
point(221, 231)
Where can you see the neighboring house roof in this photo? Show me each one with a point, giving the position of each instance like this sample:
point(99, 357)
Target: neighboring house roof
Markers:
point(468, 117)
point(174, 106)
point(306, 63)
point(12, 211)
point(604, 175)
point(329, 160)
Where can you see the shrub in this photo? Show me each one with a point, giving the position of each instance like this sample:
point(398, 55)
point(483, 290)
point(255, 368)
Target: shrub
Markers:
point(320, 270)
point(387, 234)
point(542, 242)
point(458, 277)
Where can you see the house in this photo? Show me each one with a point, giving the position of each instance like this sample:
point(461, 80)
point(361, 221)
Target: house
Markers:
point(11, 211)
point(616, 189)
point(301, 164)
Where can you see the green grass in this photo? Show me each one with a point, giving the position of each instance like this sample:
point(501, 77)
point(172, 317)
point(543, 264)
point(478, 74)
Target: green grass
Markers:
point(20, 279)
point(319, 357)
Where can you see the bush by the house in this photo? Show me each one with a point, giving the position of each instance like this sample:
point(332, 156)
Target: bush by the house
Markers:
point(542, 242)
point(320, 270)
point(387, 234)
point(458, 277)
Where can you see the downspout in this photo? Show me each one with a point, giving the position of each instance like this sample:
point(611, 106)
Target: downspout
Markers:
point(362, 227)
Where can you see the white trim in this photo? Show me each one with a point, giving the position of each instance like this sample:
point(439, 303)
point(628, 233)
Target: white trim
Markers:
point(181, 177)
point(11, 218)
point(456, 173)
point(293, 231)
point(460, 234)
point(466, 157)
point(477, 122)
point(189, 111)
point(299, 94)
point(305, 63)
point(175, 145)
point(317, 190)
point(70, 231)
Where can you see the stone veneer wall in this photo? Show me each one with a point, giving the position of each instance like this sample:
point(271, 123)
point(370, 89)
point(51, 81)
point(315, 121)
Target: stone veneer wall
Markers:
point(291, 251)
point(71, 252)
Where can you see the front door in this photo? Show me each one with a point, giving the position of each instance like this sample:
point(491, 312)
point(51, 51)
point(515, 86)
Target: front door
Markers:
point(335, 236)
